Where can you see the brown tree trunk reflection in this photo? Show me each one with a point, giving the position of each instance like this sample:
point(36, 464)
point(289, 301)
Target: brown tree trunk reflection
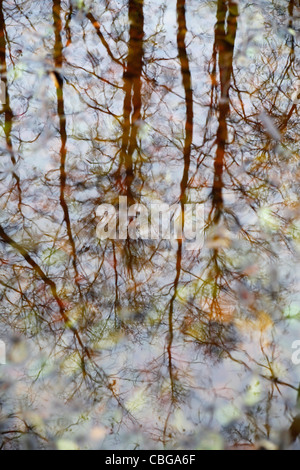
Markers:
point(187, 84)
point(7, 110)
point(133, 88)
point(69, 15)
point(189, 126)
point(132, 79)
point(291, 7)
point(59, 81)
point(225, 35)
point(6, 107)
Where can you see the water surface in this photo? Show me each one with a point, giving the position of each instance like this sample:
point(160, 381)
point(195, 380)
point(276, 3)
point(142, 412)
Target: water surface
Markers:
point(143, 344)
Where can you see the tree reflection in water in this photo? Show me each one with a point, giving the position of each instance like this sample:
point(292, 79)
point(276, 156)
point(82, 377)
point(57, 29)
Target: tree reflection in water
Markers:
point(139, 344)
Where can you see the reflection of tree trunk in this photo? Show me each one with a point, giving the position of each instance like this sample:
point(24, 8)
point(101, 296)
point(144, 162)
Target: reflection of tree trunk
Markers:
point(6, 107)
point(133, 87)
point(290, 66)
point(8, 114)
point(68, 23)
point(171, 315)
point(132, 78)
point(187, 84)
point(291, 10)
point(58, 61)
point(225, 35)
point(171, 340)
point(291, 7)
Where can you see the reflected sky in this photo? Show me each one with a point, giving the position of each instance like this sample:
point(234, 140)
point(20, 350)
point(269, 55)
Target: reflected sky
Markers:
point(142, 344)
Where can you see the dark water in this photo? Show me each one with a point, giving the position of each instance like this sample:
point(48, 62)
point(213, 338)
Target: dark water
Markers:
point(137, 344)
